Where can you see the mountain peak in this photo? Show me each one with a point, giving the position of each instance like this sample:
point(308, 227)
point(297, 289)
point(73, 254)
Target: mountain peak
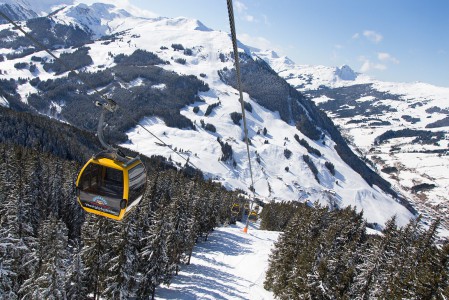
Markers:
point(278, 63)
point(96, 18)
point(36, 8)
point(186, 23)
point(17, 10)
point(345, 73)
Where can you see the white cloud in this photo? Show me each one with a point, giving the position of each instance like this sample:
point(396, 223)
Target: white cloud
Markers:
point(258, 42)
point(373, 36)
point(356, 36)
point(241, 9)
point(265, 20)
point(368, 65)
point(386, 57)
point(249, 18)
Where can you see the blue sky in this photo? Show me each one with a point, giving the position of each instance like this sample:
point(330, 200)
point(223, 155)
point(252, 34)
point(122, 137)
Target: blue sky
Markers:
point(395, 40)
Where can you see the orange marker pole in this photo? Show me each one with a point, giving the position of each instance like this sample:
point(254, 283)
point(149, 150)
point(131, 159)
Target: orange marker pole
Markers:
point(245, 230)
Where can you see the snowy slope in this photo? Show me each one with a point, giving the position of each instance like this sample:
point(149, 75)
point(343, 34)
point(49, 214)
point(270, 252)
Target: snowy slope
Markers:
point(308, 77)
point(99, 19)
point(31, 8)
point(229, 265)
point(272, 181)
point(423, 104)
point(17, 10)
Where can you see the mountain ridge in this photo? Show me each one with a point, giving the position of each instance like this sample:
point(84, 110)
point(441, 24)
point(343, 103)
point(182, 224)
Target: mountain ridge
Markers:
point(365, 109)
point(203, 54)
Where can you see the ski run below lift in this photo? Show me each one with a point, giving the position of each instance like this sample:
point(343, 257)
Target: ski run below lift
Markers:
point(231, 264)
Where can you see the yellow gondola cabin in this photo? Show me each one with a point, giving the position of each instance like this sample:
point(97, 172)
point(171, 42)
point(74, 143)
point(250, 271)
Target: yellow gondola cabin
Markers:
point(111, 186)
point(235, 209)
point(253, 216)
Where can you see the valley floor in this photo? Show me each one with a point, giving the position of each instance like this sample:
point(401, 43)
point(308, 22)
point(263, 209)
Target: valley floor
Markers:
point(229, 265)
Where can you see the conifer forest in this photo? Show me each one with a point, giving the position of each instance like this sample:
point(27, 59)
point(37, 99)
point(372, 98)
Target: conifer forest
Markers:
point(51, 250)
point(325, 201)
point(324, 254)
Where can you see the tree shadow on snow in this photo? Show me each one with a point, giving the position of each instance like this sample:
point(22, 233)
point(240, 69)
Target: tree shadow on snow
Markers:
point(227, 243)
point(198, 278)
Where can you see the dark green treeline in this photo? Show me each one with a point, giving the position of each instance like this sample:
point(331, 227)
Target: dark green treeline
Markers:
point(326, 254)
point(51, 249)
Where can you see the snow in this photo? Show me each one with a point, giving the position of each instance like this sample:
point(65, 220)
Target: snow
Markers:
point(99, 19)
point(311, 77)
point(42, 7)
point(345, 73)
point(24, 90)
point(424, 102)
point(21, 7)
point(160, 86)
point(321, 99)
point(271, 180)
point(231, 264)
point(365, 98)
point(4, 102)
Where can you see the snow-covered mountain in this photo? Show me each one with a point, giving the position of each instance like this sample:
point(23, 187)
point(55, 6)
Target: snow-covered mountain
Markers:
point(281, 170)
point(17, 10)
point(99, 19)
point(27, 9)
point(310, 77)
point(401, 128)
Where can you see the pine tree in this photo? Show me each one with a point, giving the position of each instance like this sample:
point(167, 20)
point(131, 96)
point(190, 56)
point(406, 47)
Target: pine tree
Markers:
point(121, 281)
point(128, 272)
point(372, 273)
point(76, 280)
point(96, 252)
point(7, 277)
point(70, 211)
point(53, 255)
point(33, 188)
point(290, 263)
point(304, 278)
point(47, 280)
point(16, 234)
point(194, 202)
point(177, 217)
point(428, 281)
point(335, 265)
point(154, 255)
point(444, 259)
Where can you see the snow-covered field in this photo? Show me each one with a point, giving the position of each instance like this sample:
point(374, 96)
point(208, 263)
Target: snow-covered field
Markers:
point(231, 264)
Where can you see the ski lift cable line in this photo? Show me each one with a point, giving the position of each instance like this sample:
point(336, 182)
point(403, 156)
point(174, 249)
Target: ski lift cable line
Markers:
point(97, 92)
point(239, 84)
point(242, 105)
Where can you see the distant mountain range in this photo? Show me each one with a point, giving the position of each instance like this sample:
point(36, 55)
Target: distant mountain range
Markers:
point(400, 129)
point(175, 76)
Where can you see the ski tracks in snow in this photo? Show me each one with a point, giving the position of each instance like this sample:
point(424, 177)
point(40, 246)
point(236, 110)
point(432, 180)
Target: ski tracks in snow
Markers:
point(230, 265)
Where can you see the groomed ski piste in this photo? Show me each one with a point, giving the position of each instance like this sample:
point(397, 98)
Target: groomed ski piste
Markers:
point(231, 264)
